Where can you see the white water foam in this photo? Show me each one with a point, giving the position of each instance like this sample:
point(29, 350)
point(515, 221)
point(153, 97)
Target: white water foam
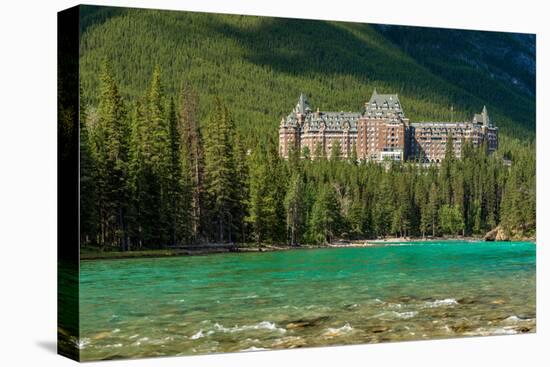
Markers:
point(82, 343)
point(515, 318)
point(441, 302)
point(200, 334)
point(503, 331)
point(266, 325)
point(407, 315)
point(118, 345)
point(343, 329)
point(391, 315)
point(394, 305)
point(507, 330)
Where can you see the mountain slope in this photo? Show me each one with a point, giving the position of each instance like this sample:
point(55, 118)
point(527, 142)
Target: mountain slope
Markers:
point(259, 66)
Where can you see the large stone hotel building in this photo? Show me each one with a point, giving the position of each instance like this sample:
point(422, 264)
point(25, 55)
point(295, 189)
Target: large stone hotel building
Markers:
point(381, 132)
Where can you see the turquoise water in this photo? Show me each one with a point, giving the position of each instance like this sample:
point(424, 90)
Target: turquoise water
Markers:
point(254, 301)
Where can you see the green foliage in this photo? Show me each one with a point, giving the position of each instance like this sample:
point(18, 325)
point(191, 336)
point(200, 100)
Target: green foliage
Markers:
point(110, 138)
point(88, 199)
point(260, 66)
point(326, 221)
point(295, 205)
point(518, 205)
point(336, 151)
point(164, 162)
point(225, 177)
point(451, 220)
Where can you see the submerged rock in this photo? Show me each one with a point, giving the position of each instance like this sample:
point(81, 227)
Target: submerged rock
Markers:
point(333, 332)
point(102, 335)
point(466, 301)
point(405, 299)
point(351, 306)
point(379, 329)
point(289, 342)
point(303, 323)
point(461, 328)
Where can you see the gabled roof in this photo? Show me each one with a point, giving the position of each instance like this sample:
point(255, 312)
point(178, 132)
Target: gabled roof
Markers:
point(303, 104)
point(482, 118)
point(381, 99)
point(331, 121)
point(383, 105)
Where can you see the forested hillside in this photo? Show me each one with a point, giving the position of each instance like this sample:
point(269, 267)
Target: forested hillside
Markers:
point(179, 118)
point(259, 66)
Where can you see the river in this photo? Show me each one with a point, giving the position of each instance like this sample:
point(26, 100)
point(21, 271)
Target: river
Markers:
point(148, 307)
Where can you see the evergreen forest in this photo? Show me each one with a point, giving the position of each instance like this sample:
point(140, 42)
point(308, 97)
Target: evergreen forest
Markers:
point(179, 118)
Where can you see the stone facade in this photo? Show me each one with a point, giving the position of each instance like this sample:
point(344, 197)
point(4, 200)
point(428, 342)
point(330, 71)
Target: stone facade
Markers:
point(381, 132)
point(428, 140)
point(382, 129)
point(306, 130)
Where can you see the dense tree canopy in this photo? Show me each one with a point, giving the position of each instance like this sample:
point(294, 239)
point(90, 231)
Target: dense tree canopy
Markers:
point(260, 65)
point(158, 181)
point(179, 133)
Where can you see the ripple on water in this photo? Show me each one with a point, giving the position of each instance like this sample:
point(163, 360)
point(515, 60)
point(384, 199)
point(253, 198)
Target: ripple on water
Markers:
point(263, 325)
point(434, 302)
point(441, 303)
point(392, 315)
point(517, 319)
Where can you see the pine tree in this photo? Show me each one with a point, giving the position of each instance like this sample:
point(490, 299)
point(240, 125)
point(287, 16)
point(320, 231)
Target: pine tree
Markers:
point(179, 185)
point(219, 171)
point(295, 209)
point(110, 145)
point(241, 181)
point(402, 208)
point(319, 152)
point(446, 174)
point(458, 195)
point(325, 220)
point(336, 151)
point(88, 208)
point(136, 174)
point(431, 210)
point(192, 148)
point(353, 159)
point(306, 154)
point(451, 220)
point(355, 217)
point(383, 206)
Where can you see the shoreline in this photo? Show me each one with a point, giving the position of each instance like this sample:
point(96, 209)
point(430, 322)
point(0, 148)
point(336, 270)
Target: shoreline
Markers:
point(90, 254)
